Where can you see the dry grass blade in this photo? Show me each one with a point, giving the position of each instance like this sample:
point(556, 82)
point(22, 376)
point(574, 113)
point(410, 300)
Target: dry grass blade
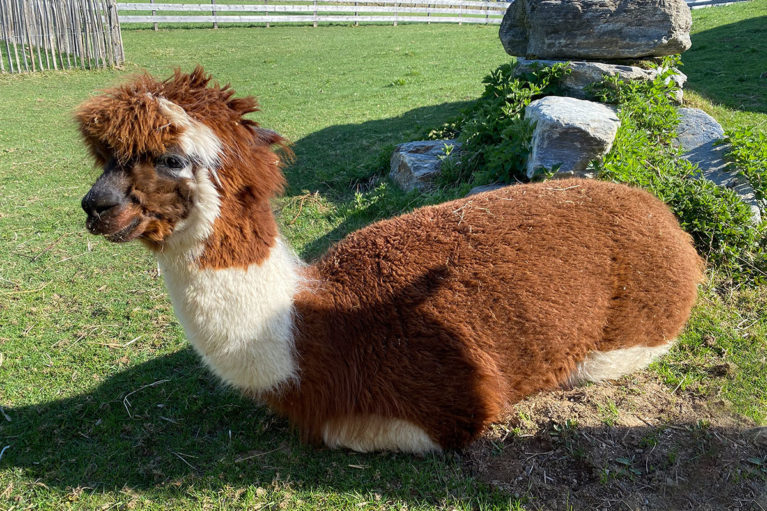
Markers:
point(3, 451)
point(126, 402)
point(252, 454)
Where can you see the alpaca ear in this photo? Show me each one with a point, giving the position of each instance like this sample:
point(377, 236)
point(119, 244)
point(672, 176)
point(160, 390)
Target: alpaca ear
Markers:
point(268, 137)
point(175, 113)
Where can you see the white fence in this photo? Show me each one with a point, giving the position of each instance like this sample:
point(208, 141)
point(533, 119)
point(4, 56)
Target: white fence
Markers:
point(317, 11)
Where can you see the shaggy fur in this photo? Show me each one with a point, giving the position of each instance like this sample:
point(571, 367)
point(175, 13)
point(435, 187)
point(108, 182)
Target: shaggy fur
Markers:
point(416, 332)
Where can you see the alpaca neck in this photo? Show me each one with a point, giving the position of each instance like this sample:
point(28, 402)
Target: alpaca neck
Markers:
point(240, 319)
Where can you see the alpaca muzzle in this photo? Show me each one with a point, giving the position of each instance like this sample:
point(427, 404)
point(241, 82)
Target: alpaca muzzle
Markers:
point(108, 209)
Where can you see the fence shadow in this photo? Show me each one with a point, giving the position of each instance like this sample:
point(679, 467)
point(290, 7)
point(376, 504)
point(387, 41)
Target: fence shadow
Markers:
point(726, 64)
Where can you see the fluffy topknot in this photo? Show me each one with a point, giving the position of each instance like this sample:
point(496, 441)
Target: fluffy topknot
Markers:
point(127, 122)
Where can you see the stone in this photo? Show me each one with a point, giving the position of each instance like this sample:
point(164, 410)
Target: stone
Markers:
point(699, 136)
point(584, 73)
point(596, 29)
point(414, 165)
point(569, 133)
point(485, 188)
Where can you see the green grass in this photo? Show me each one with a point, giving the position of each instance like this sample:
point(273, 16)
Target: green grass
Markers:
point(85, 323)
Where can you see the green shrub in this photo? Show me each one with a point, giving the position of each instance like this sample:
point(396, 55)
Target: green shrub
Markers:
point(748, 153)
point(494, 134)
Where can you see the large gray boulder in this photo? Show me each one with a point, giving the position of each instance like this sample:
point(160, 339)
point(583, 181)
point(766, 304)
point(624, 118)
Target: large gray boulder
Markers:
point(596, 29)
point(569, 133)
point(699, 135)
point(584, 73)
point(415, 165)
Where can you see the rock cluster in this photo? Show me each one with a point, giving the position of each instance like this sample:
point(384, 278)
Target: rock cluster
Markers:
point(594, 38)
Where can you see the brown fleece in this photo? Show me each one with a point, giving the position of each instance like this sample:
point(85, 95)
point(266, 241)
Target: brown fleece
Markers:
point(127, 124)
point(445, 316)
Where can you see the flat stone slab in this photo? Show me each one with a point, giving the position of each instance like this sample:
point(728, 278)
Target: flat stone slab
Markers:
point(569, 133)
point(485, 188)
point(596, 29)
point(415, 165)
point(698, 135)
point(584, 73)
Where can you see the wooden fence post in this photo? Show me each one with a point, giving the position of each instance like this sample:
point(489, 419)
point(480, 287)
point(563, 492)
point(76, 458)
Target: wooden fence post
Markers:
point(267, 12)
point(114, 28)
point(2, 37)
point(213, 13)
point(5, 33)
point(153, 14)
point(396, 13)
point(314, 24)
point(356, 16)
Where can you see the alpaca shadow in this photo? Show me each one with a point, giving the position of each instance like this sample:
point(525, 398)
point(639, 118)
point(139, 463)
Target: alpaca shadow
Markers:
point(342, 160)
point(167, 422)
point(726, 64)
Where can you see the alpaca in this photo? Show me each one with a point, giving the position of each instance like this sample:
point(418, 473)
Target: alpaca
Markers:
point(412, 334)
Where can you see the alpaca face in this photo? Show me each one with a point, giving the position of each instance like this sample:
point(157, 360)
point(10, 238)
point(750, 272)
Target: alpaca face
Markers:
point(151, 197)
point(145, 198)
point(183, 169)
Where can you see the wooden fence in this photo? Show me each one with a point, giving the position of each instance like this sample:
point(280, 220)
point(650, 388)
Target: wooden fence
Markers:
point(316, 11)
point(59, 34)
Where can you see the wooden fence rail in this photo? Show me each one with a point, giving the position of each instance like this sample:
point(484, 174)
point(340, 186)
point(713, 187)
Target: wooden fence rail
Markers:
point(317, 11)
point(36, 35)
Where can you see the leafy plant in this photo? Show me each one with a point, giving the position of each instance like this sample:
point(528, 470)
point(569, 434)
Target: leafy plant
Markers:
point(748, 154)
point(494, 134)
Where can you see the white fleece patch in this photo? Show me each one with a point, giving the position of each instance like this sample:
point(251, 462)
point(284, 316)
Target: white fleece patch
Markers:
point(240, 321)
point(610, 365)
point(375, 433)
point(197, 140)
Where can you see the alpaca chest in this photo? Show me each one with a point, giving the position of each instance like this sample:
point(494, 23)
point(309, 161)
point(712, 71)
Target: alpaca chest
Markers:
point(239, 320)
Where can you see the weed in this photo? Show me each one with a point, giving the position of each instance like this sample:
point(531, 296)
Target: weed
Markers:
point(642, 155)
point(609, 413)
point(399, 82)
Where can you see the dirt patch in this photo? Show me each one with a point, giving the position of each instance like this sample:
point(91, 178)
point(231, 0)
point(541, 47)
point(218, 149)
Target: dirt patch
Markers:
point(634, 445)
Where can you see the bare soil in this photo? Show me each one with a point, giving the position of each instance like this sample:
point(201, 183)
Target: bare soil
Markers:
point(634, 444)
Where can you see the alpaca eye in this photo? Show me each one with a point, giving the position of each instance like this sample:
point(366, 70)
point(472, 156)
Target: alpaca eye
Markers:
point(172, 162)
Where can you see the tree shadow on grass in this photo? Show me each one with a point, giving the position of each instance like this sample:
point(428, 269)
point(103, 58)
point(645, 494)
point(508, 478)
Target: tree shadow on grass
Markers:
point(340, 160)
point(726, 64)
point(632, 445)
point(166, 426)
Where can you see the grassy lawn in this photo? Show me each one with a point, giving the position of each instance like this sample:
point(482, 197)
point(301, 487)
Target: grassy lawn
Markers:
point(104, 405)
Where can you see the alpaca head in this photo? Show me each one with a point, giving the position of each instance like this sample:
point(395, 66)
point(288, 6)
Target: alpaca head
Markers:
point(179, 160)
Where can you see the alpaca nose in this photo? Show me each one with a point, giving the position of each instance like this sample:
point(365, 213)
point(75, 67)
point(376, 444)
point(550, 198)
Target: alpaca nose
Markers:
point(96, 202)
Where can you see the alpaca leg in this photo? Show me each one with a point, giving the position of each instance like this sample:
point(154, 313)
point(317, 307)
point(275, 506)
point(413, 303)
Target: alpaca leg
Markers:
point(609, 365)
point(373, 433)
